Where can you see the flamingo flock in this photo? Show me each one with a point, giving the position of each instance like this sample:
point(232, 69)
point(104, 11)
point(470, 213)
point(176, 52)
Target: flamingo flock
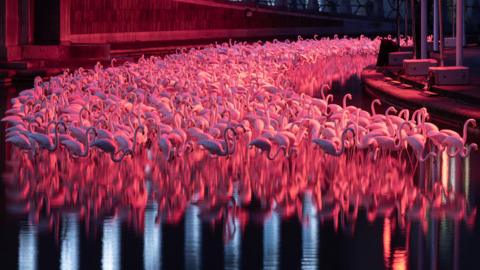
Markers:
point(240, 130)
point(222, 101)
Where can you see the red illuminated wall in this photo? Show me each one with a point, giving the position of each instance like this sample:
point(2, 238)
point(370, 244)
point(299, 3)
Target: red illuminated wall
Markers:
point(99, 16)
point(147, 20)
point(55, 25)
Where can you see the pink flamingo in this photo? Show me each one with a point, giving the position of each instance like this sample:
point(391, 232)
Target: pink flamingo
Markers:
point(217, 148)
point(76, 148)
point(329, 147)
point(108, 146)
point(265, 145)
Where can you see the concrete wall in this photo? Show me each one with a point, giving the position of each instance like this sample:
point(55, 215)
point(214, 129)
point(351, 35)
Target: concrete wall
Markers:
point(98, 21)
point(9, 30)
point(98, 16)
point(30, 29)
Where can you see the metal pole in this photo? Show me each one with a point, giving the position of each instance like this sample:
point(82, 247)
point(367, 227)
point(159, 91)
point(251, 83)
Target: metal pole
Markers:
point(453, 8)
point(464, 29)
point(423, 29)
point(440, 26)
point(406, 20)
point(414, 33)
point(435, 25)
point(459, 36)
point(397, 7)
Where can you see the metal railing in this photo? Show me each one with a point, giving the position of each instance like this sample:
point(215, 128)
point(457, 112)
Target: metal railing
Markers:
point(376, 9)
point(471, 12)
point(369, 8)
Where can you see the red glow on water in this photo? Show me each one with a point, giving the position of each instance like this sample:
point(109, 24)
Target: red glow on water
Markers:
point(223, 190)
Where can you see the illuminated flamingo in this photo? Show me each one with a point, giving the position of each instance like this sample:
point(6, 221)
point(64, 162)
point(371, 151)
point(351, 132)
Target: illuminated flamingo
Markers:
point(217, 148)
point(45, 141)
point(108, 146)
point(76, 148)
point(265, 145)
point(329, 147)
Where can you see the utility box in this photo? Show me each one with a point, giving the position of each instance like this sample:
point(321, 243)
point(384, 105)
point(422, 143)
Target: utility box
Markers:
point(418, 67)
point(454, 75)
point(396, 58)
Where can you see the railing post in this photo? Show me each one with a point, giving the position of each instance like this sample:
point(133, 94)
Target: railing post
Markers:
point(423, 29)
point(459, 35)
point(414, 31)
point(440, 26)
point(406, 19)
point(435, 25)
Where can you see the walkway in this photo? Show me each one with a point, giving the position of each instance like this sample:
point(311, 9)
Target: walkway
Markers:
point(450, 105)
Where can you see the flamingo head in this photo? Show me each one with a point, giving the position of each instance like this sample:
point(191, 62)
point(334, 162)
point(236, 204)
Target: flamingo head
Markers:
point(61, 123)
point(142, 129)
point(241, 127)
point(391, 109)
point(474, 146)
point(472, 122)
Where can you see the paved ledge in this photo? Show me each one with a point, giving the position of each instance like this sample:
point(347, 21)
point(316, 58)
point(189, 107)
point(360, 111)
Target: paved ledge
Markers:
point(443, 109)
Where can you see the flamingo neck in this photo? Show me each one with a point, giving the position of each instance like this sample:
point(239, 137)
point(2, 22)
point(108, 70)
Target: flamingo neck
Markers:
point(390, 126)
point(87, 142)
point(430, 154)
point(329, 98)
point(357, 139)
point(466, 151)
point(421, 117)
point(390, 109)
point(225, 133)
point(135, 138)
point(399, 134)
point(465, 130)
point(120, 158)
point(55, 144)
point(282, 148)
point(344, 135)
point(268, 118)
point(405, 114)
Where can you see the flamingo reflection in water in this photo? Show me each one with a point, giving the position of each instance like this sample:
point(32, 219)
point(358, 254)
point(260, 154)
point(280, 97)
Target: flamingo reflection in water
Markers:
point(224, 190)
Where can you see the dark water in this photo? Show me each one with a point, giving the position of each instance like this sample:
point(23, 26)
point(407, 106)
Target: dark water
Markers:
point(170, 233)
